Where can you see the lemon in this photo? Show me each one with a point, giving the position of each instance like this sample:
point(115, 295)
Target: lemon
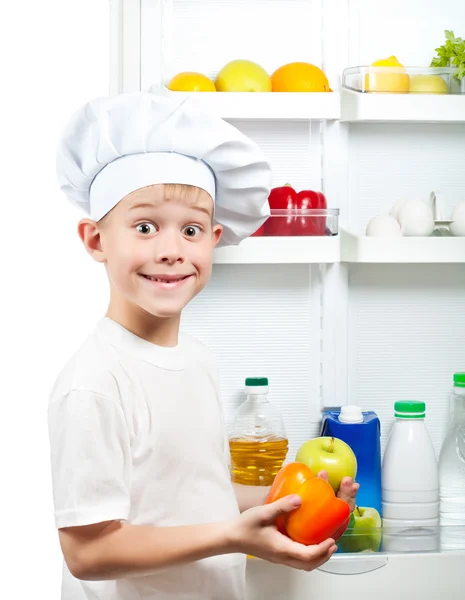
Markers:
point(392, 82)
point(428, 84)
point(243, 76)
point(189, 81)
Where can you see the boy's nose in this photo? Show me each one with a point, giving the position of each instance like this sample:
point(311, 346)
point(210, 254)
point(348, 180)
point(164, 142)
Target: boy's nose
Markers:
point(170, 249)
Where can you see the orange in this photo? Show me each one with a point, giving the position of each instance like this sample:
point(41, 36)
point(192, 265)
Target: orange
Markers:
point(299, 77)
point(191, 82)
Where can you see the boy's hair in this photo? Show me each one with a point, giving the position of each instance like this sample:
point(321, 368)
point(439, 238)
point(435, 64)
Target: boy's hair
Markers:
point(180, 190)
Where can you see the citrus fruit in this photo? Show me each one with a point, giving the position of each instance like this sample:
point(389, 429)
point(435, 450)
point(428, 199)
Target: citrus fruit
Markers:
point(191, 82)
point(393, 81)
point(299, 77)
point(428, 84)
point(243, 76)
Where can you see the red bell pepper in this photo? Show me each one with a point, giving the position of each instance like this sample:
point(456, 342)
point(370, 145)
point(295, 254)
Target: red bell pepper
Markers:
point(286, 198)
point(320, 516)
point(281, 198)
point(310, 225)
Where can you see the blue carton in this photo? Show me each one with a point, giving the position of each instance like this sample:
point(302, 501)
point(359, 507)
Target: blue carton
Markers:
point(364, 439)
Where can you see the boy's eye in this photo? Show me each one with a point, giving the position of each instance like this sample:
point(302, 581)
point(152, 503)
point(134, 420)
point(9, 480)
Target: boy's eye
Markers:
point(191, 230)
point(144, 228)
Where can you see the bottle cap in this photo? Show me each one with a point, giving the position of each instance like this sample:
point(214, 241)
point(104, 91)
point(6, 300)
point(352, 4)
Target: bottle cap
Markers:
point(351, 414)
point(256, 381)
point(459, 379)
point(409, 409)
point(256, 386)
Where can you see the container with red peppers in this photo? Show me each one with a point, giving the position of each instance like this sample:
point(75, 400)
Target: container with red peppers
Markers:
point(303, 213)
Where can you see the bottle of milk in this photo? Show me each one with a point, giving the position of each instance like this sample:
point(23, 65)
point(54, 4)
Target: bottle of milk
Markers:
point(452, 472)
point(410, 483)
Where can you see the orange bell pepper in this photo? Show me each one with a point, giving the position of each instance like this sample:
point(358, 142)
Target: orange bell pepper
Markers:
point(320, 516)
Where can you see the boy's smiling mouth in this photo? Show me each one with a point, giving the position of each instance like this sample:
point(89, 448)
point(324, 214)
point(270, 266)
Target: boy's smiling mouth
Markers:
point(166, 281)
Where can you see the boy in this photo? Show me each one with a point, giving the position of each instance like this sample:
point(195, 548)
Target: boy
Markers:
point(143, 498)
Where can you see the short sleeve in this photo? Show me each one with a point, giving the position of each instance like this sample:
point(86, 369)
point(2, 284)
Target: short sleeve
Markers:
point(90, 459)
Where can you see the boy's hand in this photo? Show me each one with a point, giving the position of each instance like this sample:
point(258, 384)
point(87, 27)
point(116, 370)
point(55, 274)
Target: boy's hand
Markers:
point(255, 532)
point(347, 490)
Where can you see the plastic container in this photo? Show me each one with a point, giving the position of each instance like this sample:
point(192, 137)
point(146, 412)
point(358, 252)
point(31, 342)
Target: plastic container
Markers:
point(452, 470)
point(309, 222)
point(361, 431)
point(257, 439)
point(392, 80)
point(410, 483)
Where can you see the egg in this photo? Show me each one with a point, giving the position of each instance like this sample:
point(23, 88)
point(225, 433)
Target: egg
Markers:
point(383, 226)
point(457, 227)
point(416, 218)
point(394, 212)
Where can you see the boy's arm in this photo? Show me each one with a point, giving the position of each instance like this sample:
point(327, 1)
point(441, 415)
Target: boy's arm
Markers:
point(249, 496)
point(115, 549)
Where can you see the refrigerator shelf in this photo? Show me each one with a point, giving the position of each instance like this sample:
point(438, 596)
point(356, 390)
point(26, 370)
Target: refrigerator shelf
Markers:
point(421, 108)
point(363, 249)
point(280, 106)
point(345, 247)
point(280, 250)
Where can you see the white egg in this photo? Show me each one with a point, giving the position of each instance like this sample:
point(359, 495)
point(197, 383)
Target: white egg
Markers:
point(457, 227)
point(394, 212)
point(383, 226)
point(416, 218)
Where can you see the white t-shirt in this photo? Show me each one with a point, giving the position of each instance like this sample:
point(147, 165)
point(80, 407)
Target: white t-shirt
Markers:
point(137, 434)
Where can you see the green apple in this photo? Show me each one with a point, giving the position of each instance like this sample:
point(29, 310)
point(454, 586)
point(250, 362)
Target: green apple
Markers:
point(363, 533)
point(428, 84)
point(329, 454)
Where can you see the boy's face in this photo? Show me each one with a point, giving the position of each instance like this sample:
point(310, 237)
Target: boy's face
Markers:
point(157, 245)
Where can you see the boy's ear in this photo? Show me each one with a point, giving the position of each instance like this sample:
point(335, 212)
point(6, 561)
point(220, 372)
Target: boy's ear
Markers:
point(89, 233)
point(217, 232)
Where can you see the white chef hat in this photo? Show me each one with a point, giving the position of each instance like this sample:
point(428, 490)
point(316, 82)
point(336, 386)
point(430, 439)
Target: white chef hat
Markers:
point(116, 145)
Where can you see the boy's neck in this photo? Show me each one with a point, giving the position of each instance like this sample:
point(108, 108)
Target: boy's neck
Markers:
point(157, 330)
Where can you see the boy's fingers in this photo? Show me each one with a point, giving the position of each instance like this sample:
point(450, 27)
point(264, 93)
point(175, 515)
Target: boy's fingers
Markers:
point(348, 491)
point(313, 563)
point(282, 506)
point(307, 554)
point(323, 475)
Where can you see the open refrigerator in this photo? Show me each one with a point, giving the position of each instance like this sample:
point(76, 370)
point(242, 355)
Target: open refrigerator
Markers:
point(341, 319)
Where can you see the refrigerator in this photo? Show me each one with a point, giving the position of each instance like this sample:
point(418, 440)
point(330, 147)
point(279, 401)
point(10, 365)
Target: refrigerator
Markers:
point(330, 320)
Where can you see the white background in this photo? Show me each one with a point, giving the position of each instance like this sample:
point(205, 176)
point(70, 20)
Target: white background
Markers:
point(54, 57)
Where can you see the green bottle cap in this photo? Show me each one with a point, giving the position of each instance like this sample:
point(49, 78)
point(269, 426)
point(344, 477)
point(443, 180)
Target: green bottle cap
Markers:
point(459, 379)
point(256, 381)
point(409, 409)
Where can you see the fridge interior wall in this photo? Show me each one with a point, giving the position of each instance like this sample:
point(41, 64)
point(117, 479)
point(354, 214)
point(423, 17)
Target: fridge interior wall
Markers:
point(364, 334)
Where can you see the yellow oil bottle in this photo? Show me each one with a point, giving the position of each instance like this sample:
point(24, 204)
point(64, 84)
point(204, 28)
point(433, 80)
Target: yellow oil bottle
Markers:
point(257, 440)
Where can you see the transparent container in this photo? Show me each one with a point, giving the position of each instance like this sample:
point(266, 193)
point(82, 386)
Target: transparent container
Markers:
point(301, 222)
point(362, 538)
point(400, 80)
point(257, 438)
point(452, 467)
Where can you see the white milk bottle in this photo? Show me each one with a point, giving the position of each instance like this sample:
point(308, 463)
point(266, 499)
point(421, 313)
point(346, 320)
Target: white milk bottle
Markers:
point(452, 472)
point(410, 483)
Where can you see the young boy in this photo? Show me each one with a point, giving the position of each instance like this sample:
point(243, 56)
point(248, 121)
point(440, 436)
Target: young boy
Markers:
point(143, 498)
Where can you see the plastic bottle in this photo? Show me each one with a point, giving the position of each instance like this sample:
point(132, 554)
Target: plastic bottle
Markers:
point(452, 472)
point(410, 483)
point(361, 431)
point(257, 440)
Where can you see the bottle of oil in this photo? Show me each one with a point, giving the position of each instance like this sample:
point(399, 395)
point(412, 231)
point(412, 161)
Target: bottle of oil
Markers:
point(257, 441)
